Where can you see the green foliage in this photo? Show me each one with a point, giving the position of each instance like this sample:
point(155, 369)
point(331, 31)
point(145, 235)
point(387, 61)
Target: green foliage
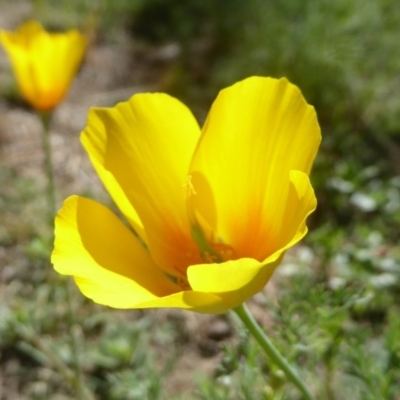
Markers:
point(94, 17)
point(340, 353)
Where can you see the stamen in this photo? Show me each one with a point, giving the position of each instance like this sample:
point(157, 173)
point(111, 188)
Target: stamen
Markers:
point(188, 187)
point(207, 251)
point(184, 284)
point(225, 250)
point(210, 251)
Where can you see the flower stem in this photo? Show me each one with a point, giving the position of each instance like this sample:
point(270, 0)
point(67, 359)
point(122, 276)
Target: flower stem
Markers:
point(243, 313)
point(48, 166)
point(77, 381)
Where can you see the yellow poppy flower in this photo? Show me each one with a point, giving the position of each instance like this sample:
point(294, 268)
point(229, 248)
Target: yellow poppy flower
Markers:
point(44, 63)
point(213, 210)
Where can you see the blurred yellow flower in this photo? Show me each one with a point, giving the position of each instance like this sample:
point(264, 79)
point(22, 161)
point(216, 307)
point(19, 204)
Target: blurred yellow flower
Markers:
point(213, 210)
point(44, 63)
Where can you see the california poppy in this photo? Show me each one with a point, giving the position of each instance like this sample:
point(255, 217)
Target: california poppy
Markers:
point(211, 212)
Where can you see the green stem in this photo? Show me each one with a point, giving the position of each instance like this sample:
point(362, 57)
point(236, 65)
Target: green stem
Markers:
point(271, 351)
point(48, 166)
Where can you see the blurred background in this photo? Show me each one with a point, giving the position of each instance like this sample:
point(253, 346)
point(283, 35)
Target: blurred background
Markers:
point(332, 306)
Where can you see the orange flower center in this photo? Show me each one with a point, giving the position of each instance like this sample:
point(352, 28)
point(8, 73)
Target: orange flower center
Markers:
point(205, 249)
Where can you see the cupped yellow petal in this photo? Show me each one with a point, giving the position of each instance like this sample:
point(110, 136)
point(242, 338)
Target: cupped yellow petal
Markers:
point(233, 281)
point(17, 45)
point(299, 203)
point(108, 262)
point(141, 150)
point(56, 62)
point(44, 63)
point(257, 131)
point(201, 302)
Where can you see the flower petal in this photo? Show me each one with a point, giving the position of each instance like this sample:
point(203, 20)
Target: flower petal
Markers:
point(17, 45)
point(107, 261)
point(257, 131)
point(300, 203)
point(233, 281)
point(142, 150)
point(206, 303)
